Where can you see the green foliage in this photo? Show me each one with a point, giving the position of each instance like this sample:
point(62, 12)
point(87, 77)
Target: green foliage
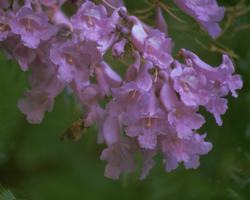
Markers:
point(6, 194)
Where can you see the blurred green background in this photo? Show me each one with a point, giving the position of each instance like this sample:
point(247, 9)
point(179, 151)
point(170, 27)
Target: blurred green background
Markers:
point(36, 165)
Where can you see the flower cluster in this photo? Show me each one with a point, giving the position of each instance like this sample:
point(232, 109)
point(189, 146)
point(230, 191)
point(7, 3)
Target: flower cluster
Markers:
point(153, 108)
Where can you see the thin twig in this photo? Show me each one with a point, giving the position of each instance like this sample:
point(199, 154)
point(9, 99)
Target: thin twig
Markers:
point(108, 4)
point(242, 27)
point(142, 11)
point(164, 7)
point(213, 48)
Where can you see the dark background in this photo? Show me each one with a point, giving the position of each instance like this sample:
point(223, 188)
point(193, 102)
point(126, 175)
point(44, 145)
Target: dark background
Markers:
point(36, 165)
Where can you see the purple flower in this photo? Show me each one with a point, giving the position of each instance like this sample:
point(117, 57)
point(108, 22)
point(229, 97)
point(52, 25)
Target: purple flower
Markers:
point(119, 48)
point(94, 115)
point(138, 34)
point(22, 54)
point(148, 162)
point(92, 23)
point(144, 79)
point(111, 129)
point(44, 88)
point(88, 95)
point(150, 107)
point(218, 82)
point(74, 60)
point(152, 43)
point(160, 21)
point(183, 118)
point(60, 19)
point(176, 150)
point(32, 27)
point(119, 157)
point(133, 69)
point(190, 84)
point(35, 104)
point(145, 120)
point(127, 94)
point(106, 77)
point(206, 12)
point(158, 48)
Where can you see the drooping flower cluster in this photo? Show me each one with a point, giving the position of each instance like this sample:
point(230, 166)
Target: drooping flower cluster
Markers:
point(153, 108)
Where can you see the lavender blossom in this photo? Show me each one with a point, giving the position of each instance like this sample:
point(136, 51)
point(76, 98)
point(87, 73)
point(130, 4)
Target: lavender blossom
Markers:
point(119, 48)
point(160, 21)
point(206, 12)
point(92, 23)
point(44, 88)
point(74, 60)
point(154, 45)
point(216, 83)
point(184, 118)
point(119, 159)
point(177, 150)
point(151, 108)
point(16, 50)
point(31, 26)
point(106, 78)
point(147, 120)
